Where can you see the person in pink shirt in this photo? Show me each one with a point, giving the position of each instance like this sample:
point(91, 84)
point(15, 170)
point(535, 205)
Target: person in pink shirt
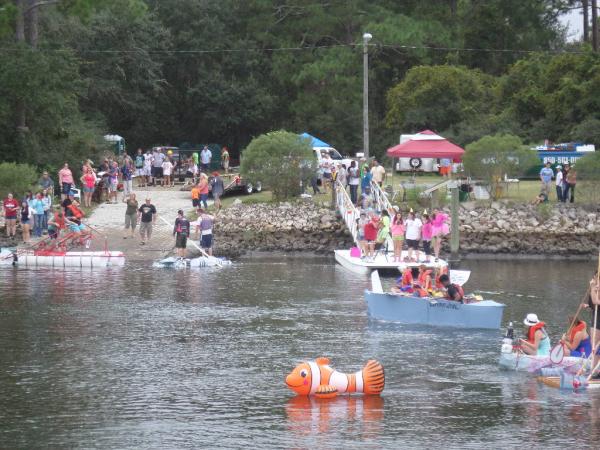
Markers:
point(397, 229)
point(426, 233)
point(439, 229)
point(65, 179)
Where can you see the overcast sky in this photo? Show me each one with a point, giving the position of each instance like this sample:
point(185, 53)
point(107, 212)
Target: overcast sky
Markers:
point(574, 20)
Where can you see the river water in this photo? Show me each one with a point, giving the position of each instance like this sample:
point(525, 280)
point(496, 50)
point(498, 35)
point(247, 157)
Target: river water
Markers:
point(148, 358)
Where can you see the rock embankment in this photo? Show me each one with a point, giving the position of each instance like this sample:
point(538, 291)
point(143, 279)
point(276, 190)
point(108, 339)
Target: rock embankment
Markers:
point(298, 227)
point(550, 229)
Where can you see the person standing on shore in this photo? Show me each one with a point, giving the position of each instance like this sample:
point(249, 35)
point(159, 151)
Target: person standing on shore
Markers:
point(46, 183)
point(139, 167)
point(181, 231)
point(546, 175)
point(65, 178)
point(25, 220)
point(127, 175)
point(378, 172)
point(167, 167)
point(217, 188)
point(353, 182)
point(47, 200)
point(37, 206)
point(225, 159)
point(205, 159)
point(113, 182)
point(203, 188)
point(11, 209)
point(571, 180)
point(365, 183)
point(205, 224)
point(130, 214)
point(559, 183)
point(147, 218)
point(158, 157)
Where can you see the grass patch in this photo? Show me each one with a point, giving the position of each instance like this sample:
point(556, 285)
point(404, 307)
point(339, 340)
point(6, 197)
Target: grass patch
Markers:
point(257, 197)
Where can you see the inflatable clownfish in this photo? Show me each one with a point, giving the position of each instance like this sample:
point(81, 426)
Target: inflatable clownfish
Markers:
point(319, 379)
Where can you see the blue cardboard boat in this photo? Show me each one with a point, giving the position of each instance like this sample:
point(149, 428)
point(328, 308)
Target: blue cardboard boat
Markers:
point(485, 314)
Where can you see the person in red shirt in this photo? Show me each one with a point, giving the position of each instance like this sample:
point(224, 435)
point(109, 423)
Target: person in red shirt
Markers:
point(371, 230)
point(11, 209)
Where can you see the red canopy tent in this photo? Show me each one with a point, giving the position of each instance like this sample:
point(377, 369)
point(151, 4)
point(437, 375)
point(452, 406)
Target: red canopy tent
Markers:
point(426, 144)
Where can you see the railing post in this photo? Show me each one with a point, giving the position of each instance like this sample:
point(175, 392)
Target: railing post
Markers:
point(454, 232)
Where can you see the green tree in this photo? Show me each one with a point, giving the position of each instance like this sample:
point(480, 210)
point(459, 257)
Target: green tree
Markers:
point(16, 178)
point(439, 97)
point(491, 158)
point(279, 160)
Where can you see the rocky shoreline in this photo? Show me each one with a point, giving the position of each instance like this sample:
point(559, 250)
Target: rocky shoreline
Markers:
point(501, 229)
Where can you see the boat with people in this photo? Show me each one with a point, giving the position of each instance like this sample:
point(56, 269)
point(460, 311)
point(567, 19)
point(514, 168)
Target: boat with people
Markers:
point(434, 310)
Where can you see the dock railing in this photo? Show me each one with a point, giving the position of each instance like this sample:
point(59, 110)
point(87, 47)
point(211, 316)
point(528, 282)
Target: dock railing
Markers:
point(380, 198)
point(350, 214)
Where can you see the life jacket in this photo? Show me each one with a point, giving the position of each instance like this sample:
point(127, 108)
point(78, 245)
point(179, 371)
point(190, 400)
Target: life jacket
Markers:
point(407, 278)
point(422, 280)
point(576, 329)
point(77, 213)
point(533, 329)
point(421, 292)
point(59, 221)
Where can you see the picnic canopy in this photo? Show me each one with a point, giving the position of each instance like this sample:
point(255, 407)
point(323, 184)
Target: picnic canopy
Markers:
point(426, 144)
point(315, 142)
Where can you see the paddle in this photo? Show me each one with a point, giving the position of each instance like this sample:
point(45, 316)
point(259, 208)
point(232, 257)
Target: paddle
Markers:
point(558, 351)
point(219, 263)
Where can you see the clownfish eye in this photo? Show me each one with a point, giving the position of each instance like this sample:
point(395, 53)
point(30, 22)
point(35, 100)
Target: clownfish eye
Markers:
point(303, 373)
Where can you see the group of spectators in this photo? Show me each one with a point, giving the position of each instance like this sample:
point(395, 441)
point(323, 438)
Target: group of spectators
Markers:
point(565, 180)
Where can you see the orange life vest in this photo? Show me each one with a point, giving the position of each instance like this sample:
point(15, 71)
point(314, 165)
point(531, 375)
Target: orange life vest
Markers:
point(77, 213)
point(59, 221)
point(532, 330)
point(423, 281)
point(407, 278)
point(576, 329)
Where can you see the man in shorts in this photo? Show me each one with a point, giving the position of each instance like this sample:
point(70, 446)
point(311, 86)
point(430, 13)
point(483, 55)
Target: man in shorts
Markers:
point(146, 218)
point(148, 160)
point(217, 188)
point(158, 158)
point(205, 224)
point(139, 167)
point(181, 231)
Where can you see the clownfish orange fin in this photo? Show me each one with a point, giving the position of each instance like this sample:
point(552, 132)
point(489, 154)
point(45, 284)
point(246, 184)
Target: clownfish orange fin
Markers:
point(326, 391)
point(322, 361)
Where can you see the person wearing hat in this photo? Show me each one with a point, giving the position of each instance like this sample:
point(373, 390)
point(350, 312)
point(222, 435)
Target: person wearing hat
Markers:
point(558, 181)
point(181, 231)
point(537, 342)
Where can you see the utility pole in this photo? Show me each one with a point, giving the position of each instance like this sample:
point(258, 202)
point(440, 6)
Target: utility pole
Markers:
point(586, 20)
point(595, 25)
point(366, 38)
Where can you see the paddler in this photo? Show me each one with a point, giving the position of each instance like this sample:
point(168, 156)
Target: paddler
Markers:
point(537, 342)
point(593, 302)
point(453, 291)
point(577, 341)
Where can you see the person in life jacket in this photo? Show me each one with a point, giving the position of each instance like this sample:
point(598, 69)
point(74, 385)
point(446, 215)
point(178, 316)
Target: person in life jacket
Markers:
point(537, 342)
point(577, 341)
point(453, 291)
point(437, 274)
point(423, 285)
point(405, 282)
point(181, 231)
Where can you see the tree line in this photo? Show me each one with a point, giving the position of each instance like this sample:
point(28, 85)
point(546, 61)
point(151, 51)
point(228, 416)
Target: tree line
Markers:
point(225, 71)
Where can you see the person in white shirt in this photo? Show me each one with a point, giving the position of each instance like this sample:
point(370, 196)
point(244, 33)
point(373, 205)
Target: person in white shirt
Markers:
point(326, 166)
point(167, 166)
point(378, 173)
point(413, 235)
point(147, 171)
point(559, 183)
point(205, 158)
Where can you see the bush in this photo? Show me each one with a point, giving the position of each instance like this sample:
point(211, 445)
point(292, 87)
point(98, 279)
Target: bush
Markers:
point(16, 178)
point(588, 178)
point(280, 160)
point(491, 158)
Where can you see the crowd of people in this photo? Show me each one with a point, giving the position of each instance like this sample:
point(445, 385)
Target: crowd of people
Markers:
point(426, 282)
point(564, 180)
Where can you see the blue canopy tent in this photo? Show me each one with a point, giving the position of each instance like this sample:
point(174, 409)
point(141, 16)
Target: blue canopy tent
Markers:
point(315, 142)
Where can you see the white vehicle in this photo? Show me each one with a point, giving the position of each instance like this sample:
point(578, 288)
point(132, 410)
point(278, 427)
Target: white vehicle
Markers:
point(337, 159)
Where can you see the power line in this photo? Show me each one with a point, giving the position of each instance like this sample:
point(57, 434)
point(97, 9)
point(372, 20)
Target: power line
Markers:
point(294, 49)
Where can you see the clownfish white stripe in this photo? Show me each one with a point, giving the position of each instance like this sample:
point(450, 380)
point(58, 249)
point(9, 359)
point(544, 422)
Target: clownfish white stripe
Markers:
point(315, 376)
point(359, 381)
point(339, 380)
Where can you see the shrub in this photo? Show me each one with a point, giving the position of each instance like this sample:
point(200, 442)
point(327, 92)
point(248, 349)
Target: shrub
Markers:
point(16, 178)
point(280, 160)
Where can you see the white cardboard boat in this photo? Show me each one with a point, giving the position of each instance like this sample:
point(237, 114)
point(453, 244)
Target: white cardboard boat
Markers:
point(63, 259)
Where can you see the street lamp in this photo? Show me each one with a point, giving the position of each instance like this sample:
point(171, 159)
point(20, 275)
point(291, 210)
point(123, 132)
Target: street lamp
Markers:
point(366, 38)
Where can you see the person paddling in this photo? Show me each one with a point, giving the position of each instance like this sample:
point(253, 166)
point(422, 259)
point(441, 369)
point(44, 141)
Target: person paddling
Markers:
point(537, 342)
point(453, 291)
point(577, 341)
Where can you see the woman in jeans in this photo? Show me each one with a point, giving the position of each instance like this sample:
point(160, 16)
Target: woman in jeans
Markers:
point(130, 214)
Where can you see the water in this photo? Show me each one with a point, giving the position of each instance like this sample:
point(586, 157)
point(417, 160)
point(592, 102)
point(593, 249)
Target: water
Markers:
point(149, 358)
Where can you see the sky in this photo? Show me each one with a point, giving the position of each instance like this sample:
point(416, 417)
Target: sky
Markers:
point(574, 21)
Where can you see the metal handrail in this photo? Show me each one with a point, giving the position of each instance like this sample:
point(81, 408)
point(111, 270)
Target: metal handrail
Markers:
point(350, 214)
point(380, 198)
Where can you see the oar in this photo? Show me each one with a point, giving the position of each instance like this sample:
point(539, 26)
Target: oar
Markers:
point(195, 245)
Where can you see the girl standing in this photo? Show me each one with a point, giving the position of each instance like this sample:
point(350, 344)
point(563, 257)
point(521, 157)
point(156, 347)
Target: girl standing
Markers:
point(25, 220)
point(413, 235)
point(426, 234)
point(88, 181)
point(398, 230)
point(439, 229)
